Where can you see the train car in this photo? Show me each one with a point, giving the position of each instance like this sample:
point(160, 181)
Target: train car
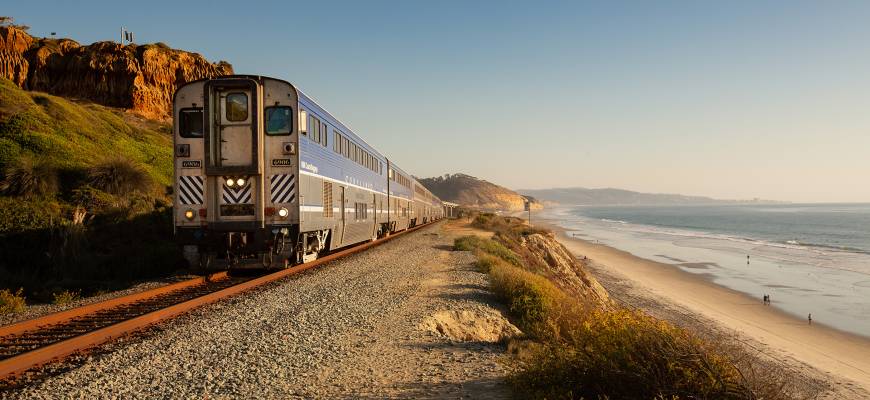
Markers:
point(265, 176)
point(401, 197)
point(427, 207)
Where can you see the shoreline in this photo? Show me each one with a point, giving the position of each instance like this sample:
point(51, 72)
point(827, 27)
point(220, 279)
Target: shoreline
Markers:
point(843, 357)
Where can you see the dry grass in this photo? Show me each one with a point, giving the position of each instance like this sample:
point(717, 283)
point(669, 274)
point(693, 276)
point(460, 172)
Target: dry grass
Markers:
point(66, 296)
point(11, 302)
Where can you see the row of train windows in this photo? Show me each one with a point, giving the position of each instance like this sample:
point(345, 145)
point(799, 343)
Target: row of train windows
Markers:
point(423, 193)
point(345, 147)
point(400, 179)
point(278, 119)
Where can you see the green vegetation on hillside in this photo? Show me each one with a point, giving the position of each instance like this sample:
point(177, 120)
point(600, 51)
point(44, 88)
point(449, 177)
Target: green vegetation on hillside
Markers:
point(577, 348)
point(82, 194)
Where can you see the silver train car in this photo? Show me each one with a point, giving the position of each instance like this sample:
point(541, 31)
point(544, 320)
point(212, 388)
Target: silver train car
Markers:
point(264, 176)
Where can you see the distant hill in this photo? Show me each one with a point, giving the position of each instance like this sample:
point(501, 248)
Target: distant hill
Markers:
point(583, 196)
point(477, 193)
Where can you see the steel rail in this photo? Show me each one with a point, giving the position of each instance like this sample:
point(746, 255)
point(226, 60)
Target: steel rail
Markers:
point(19, 364)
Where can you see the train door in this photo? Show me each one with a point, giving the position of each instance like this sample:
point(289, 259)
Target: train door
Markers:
point(236, 140)
point(374, 216)
point(232, 143)
point(343, 215)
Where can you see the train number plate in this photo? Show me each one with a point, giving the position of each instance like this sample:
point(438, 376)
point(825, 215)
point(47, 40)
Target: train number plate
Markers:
point(281, 162)
point(191, 164)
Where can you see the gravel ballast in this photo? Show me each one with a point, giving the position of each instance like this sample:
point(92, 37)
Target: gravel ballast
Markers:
point(348, 329)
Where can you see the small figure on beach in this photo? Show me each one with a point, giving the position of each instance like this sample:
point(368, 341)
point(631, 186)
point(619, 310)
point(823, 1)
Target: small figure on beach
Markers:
point(766, 299)
point(747, 259)
point(810, 318)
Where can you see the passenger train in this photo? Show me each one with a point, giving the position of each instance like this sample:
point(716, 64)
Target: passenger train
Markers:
point(265, 176)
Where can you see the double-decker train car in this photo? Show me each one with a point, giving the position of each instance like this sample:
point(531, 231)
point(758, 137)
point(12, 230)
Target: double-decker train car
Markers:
point(266, 176)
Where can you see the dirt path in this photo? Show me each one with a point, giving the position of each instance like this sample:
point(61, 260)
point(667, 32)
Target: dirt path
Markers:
point(357, 328)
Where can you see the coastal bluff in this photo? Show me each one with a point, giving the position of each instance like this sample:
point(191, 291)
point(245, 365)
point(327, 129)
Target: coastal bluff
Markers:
point(141, 78)
point(472, 192)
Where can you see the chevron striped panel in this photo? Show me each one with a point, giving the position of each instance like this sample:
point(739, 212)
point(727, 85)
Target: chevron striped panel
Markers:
point(236, 195)
point(282, 188)
point(190, 189)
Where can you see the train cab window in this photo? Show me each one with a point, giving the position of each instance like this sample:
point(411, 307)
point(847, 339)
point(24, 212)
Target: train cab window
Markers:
point(237, 107)
point(190, 122)
point(279, 120)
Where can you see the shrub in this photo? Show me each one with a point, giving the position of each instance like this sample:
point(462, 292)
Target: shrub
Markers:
point(627, 354)
point(11, 302)
point(120, 176)
point(485, 262)
point(66, 297)
point(489, 246)
point(94, 200)
point(20, 216)
point(27, 177)
point(538, 307)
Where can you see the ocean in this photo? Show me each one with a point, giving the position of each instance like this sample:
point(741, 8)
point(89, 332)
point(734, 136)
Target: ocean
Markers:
point(811, 258)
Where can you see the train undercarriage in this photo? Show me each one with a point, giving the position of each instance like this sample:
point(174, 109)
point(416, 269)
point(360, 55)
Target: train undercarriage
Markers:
point(272, 248)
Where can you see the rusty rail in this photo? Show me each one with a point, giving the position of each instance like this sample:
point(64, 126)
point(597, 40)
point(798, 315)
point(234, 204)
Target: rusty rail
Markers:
point(78, 341)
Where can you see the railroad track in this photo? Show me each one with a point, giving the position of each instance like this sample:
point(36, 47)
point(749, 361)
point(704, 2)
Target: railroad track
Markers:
point(27, 345)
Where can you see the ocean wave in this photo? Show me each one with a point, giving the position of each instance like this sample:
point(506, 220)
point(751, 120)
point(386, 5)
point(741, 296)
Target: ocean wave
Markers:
point(792, 244)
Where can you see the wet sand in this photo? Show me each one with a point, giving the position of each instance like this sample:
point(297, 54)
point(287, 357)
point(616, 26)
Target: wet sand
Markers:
point(843, 358)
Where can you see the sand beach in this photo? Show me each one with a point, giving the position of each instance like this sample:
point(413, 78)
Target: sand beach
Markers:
point(838, 360)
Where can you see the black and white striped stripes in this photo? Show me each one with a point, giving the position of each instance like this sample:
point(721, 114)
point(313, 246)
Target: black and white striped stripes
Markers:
point(190, 189)
point(236, 195)
point(282, 188)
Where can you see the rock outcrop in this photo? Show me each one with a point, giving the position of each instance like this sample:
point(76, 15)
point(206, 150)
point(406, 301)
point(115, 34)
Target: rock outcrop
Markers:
point(137, 77)
point(563, 267)
point(472, 192)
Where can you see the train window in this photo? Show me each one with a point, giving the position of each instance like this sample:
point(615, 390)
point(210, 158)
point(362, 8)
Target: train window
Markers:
point(336, 142)
point(190, 122)
point(237, 107)
point(315, 129)
point(361, 211)
point(279, 120)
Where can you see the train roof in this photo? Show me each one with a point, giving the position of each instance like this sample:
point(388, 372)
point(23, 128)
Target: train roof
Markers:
point(346, 130)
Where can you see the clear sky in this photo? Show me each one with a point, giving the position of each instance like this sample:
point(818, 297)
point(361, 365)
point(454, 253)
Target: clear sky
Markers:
point(725, 99)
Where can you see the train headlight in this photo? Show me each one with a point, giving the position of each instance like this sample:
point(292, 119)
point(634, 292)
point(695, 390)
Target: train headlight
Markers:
point(189, 214)
point(283, 212)
point(231, 182)
point(240, 182)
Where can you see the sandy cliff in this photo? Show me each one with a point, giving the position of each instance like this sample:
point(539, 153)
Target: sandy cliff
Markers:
point(563, 267)
point(137, 77)
point(477, 193)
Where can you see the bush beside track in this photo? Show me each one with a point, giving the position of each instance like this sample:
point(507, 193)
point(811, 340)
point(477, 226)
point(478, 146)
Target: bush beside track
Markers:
point(578, 347)
point(83, 203)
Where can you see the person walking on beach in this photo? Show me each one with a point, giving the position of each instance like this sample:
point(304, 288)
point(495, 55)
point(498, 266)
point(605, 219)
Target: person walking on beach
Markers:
point(810, 318)
point(747, 259)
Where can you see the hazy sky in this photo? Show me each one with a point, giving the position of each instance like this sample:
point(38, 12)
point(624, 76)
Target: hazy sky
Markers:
point(724, 99)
